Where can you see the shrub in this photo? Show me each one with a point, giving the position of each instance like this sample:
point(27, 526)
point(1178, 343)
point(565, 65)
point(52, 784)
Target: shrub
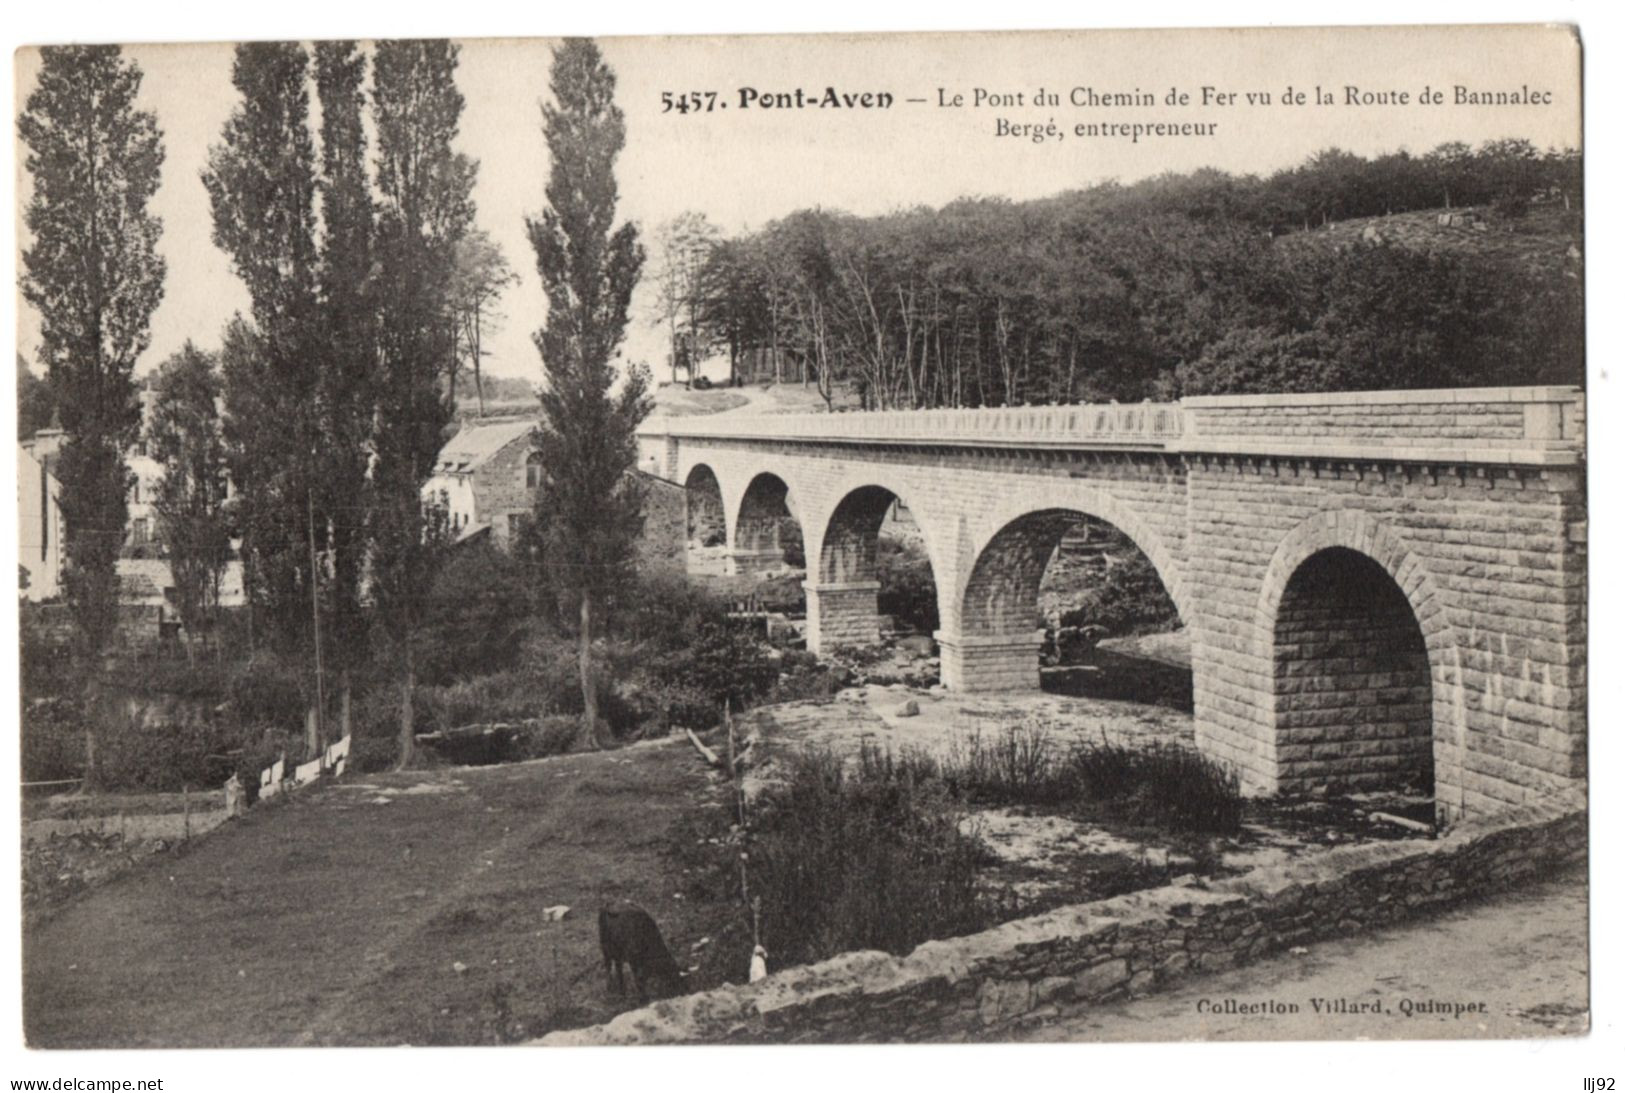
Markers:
point(1168, 787)
point(1020, 766)
point(552, 735)
point(477, 612)
point(1171, 787)
point(503, 696)
point(53, 739)
point(871, 857)
point(194, 754)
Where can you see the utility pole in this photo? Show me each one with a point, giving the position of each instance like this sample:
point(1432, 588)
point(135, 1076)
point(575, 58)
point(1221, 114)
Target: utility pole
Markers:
point(318, 734)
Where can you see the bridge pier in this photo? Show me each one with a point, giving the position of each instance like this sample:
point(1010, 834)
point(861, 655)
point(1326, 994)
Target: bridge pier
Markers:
point(990, 662)
point(842, 613)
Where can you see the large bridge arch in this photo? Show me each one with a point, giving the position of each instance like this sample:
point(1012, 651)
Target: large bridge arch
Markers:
point(842, 539)
point(766, 509)
point(988, 637)
point(1363, 661)
point(706, 518)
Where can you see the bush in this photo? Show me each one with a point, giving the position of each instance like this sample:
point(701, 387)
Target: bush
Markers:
point(504, 696)
point(188, 754)
point(1170, 787)
point(864, 858)
point(1167, 787)
point(552, 735)
point(53, 739)
point(683, 650)
point(477, 613)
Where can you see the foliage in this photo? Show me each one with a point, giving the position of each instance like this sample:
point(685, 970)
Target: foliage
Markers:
point(683, 246)
point(346, 386)
point(590, 509)
point(683, 654)
point(425, 209)
point(1169, 787)
point(481, 274)
point(1180, 283)
point(185, 436)
point(1129, 598)
point(475, 616)
point(908, 590)
point(93, 273)
point(261, 181)
point(36, 404)
point(871, 857)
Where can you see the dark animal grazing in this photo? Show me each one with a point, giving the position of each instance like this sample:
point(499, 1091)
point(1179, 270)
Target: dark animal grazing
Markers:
point(627, 935)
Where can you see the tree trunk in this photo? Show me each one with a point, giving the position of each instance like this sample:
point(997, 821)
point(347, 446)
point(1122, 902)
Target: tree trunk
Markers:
point(589, 693)
point(313, 738)
point(408, 738)
point(344, 703)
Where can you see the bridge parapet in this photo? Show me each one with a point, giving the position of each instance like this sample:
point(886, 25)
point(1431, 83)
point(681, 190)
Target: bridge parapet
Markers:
point(1497, 425)
point(1539, 426)
point(1138, 425)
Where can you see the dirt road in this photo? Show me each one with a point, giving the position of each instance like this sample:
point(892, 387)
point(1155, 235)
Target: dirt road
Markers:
point(1518, 963)
point(393, 909)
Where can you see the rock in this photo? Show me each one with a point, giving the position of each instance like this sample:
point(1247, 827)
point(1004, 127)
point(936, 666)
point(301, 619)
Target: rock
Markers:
point(910, 708)
point(556, 913)
point(1186, 880)
point(1101, 978)
point(459, 967)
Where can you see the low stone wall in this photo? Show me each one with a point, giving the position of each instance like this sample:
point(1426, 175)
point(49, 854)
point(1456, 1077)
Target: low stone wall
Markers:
point(1068, 960)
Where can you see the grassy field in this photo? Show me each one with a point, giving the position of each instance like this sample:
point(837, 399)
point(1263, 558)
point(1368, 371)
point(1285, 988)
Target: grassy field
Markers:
point(395, 909)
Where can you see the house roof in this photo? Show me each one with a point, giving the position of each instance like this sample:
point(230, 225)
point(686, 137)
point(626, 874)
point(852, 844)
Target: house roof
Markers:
point(478, 443)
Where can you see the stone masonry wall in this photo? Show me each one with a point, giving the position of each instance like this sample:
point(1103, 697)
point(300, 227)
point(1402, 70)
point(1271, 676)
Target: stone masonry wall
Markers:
point(663, 544)
point(1353, 702)
point(1488, 563)
point(1525, 417)
point(500, 490)
point(1070, 960)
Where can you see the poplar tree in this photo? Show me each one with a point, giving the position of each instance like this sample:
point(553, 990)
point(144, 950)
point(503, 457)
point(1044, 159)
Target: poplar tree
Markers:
point(184, 435)
point(347, 380)
point(261, 180)
point(590, 509)
point(425, 209)
point(93, 273)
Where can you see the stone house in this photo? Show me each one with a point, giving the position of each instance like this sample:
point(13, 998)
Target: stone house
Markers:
point(486, 479)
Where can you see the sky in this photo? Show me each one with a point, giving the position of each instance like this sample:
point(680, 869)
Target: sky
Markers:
point(742, 165)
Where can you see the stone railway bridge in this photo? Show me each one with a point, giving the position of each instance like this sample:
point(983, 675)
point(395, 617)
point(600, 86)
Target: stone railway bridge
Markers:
point(1377, 585)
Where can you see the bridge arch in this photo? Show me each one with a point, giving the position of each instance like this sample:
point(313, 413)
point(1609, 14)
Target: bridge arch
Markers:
point(707, 515)
point(989, 640)
point(766, 531)
point(1363, 662)
point(843, 543)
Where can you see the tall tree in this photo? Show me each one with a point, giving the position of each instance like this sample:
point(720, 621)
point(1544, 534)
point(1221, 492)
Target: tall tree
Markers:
point(482, 273)
point(590, 507)
point(261, 181)
point(185, 436)
point(684, 244)
point(93, 273)
point(346, 385)
point(425, 209)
